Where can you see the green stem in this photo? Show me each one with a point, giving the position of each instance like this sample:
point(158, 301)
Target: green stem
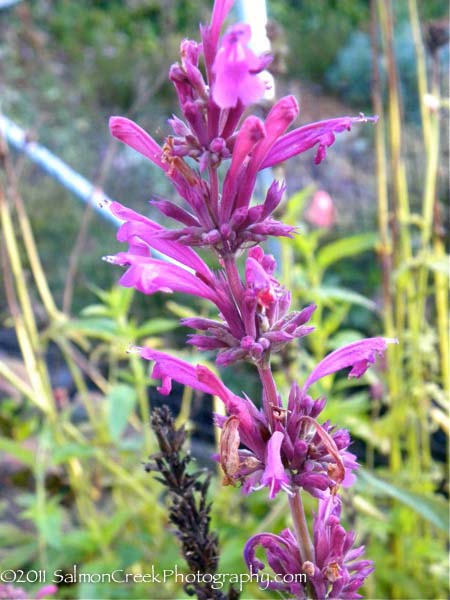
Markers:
point(141, 390)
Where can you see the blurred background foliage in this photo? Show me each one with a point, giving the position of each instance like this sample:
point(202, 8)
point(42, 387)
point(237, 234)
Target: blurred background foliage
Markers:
point(74, 405)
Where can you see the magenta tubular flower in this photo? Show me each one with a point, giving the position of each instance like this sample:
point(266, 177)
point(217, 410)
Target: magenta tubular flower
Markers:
point(358, 355)
point(338, 570)
point(236, 70)
point(198, 377)
point(275, 476)
point(300, 452)
point(302, 139)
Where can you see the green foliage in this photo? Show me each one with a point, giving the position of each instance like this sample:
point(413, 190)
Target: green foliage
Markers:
point(315, 31)
point(350, 74)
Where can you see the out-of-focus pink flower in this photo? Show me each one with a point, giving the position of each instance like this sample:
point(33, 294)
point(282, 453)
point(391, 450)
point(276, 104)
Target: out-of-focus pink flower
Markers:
point(236, 69)
point(11, 592)
point(321, 211)
point(47, 590)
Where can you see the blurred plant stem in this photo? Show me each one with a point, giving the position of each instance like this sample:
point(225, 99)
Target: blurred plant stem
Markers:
point(406, 261)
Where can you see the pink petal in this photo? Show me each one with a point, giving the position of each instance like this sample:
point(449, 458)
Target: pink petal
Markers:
point(168, 367)
point(130, 133)
point(302, 139)
point(274, 474)
point(358, 355)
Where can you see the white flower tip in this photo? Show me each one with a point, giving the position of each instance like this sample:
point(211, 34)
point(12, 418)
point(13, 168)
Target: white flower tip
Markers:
point(134, 349)
point(391, 340)
point(109, 258)
point(364, 119)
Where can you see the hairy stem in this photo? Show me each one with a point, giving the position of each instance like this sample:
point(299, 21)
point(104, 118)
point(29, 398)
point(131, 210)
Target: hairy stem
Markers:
point(270, 396)
point(301, 527)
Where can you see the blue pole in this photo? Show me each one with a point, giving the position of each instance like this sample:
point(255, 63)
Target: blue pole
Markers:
point(17, 138)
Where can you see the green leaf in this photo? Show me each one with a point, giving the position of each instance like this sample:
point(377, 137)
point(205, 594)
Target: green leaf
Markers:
point(338, 293)
point(18, 556)
point(156, 326)
point(295, 204)
point(71, 450)
point(346, 247)
point(120, 404)
point(344, 337)
point(179, 310)
point(334, 319)
point(431, 509)
point(102, 328)
point(12, 535)
point(96, 310)
point(16, 449)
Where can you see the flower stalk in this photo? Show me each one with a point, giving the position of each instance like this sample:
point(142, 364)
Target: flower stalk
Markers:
point(276, 443)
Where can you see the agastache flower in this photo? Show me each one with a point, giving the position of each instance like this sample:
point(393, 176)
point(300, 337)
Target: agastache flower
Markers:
point(211, 136)
point(337, 570)
point(236, 70)
point(267, 324)
point(281, 447)
point(300, 452)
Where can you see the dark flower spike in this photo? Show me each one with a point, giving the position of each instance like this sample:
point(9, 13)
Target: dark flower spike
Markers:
point(189, 510)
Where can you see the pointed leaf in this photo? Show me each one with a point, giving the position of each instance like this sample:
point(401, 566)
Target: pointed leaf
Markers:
point(120, 404)
point(338, 293)
point(431, 508)
point(16, 449)
point(346, 247)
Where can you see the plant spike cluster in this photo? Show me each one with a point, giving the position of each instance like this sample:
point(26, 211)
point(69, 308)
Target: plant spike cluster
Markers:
point(189, 510)
point(283, 447)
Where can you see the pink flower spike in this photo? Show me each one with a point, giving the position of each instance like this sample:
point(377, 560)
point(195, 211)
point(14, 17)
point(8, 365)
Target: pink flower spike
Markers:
point(358, 355)
point(302, 139)
point(130, 133)
point(236, 69)
point(274, 474)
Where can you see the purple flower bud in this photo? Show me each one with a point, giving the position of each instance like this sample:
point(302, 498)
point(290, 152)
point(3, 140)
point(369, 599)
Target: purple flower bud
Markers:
point(179, 127)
